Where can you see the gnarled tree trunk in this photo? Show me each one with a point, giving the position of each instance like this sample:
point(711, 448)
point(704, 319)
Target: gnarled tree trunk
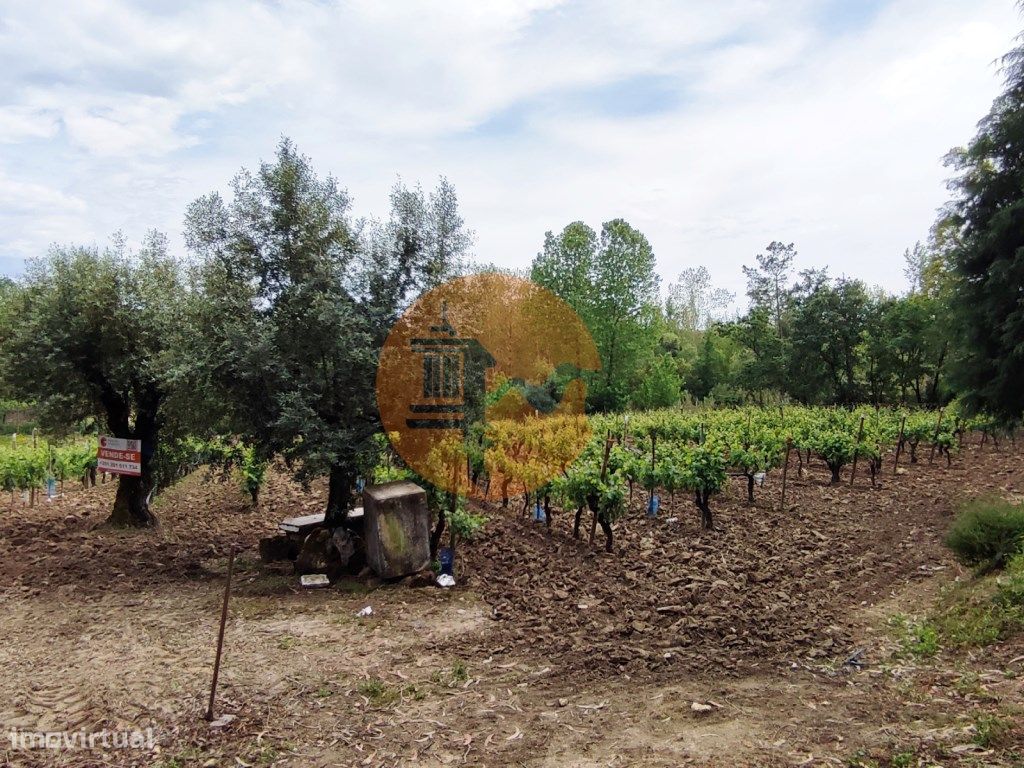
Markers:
point(339, 497)
point(131, 504)
point(702, 500)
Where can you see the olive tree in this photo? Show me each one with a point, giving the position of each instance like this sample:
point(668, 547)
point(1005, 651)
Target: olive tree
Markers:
point(89, 333)
point(297, 299)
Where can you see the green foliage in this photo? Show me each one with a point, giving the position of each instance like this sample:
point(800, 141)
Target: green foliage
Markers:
point(23, 467)
point(453, 676)
point(91, 333)
point(583, 487)
point(987, 533)
point(659, 384)
point(711, 366)
point(988, 253)
point(252, 471)
point(381, 694)
point(989, 730)
point(295, 302)
point(704, 469)
point(1010, 586)
point(967, 614)
point(611, 283)
point(836, 448)
point(827, 325)
point(916, 638)
point(464, 523)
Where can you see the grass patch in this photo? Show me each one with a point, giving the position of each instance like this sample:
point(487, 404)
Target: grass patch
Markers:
point(971, 614)
point(382, 695)
point(987, 533)
point(990, 731)
point(1010, 585)
point(452, 676)
point(916, 638)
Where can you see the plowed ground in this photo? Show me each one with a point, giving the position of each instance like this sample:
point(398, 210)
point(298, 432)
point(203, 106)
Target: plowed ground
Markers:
point(549, 652)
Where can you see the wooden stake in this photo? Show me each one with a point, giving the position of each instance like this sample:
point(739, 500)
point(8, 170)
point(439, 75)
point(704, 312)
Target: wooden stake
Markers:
point(785, 470)
point(856, 450)
point(604, 473)
point(899, 445)
point(938, 426)
point(220, 636)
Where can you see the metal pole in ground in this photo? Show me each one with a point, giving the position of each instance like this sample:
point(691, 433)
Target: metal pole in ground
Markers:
point(220, 636)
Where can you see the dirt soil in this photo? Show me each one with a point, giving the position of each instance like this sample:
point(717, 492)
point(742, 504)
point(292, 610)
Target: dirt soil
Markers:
point(682, 647)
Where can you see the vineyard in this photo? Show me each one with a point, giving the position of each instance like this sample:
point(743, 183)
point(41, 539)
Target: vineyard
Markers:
point(29, 465)
point(670, 452)
point(775, 596)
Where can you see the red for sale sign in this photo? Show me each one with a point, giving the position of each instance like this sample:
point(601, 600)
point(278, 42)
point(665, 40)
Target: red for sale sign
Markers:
point(119, 456)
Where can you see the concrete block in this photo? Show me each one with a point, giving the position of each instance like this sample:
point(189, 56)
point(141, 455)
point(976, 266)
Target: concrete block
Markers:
point(397, 529)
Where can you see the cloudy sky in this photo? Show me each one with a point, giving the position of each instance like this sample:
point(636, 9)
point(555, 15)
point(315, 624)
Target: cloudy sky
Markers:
point(715, 126)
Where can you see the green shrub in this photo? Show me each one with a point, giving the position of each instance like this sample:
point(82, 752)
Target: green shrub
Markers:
point(987, 533)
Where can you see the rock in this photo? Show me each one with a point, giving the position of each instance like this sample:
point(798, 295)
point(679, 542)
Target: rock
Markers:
point(277, 548)
point(223, 720)
point(316, 553)
point(397, 529)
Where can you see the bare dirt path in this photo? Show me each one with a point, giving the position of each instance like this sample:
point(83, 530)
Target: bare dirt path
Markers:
point(548, 653)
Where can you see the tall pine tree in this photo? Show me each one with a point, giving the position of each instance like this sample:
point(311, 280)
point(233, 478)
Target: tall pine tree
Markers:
point(988, 260)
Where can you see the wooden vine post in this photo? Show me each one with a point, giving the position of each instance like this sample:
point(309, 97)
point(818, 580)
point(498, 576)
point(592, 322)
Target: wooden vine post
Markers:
point(220, 635)
point(935, 439)
point(899, 445)
point(785, 471)
point(604, 473)
point(856, 450)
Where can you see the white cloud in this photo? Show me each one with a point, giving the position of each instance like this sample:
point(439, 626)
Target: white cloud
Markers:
point(758, 122)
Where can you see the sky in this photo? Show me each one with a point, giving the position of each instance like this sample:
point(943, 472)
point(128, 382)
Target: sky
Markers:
point(714, 126)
